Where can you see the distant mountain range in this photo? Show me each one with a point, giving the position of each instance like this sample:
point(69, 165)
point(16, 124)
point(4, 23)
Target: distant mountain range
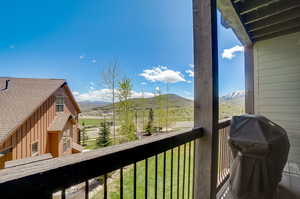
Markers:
point(145, 103)
point(174, 101)
point(87, 105)
point(233, 95)
point(139, 103)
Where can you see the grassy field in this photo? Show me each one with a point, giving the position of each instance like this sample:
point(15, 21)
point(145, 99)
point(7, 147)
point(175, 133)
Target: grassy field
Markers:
point(91, 144)
point(90, 122)
point(114, 185)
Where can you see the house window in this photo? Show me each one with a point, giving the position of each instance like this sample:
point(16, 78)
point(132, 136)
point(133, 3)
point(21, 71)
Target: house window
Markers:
point(60, 101)
point(35, 149)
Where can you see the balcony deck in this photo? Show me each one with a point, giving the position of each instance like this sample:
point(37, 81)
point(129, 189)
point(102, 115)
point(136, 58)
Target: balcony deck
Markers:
point(82, 167)
point(289, 188)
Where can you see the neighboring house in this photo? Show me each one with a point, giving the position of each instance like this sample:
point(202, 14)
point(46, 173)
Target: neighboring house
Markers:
point(37, 116)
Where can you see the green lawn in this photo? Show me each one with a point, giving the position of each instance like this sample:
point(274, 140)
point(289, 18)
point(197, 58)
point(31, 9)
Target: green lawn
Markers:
point(91, 144)
point(90, 122)
point(114, 186)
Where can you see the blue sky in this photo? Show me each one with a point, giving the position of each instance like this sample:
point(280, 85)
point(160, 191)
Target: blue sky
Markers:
point(77, 39)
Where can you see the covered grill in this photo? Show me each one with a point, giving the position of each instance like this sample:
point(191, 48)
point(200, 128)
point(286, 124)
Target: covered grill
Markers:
point(260, 149)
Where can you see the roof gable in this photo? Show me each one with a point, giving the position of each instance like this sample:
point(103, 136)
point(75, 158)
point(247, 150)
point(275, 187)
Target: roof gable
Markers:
point(20, 100)
point(59, 122)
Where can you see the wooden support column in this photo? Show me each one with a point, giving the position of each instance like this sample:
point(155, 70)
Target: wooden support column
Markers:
point(249, 79)
point(206, 97)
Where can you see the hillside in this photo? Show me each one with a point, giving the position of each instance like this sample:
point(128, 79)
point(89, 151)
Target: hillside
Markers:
point(174, 101)
point(87, 105)
point(230, 104)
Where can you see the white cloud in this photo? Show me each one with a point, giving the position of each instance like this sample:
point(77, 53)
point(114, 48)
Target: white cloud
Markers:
point(190, 73)
point(135, 94)
point(75, 93)
point(157, 88)
point(189, 81)
point(162, 74)
point(88, 59)
point(230, 52)
point(94, 95)
point(12, 46)
point(105, 95)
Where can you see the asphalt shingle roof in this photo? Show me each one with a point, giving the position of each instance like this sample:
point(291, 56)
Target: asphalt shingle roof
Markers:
point(59, 121)
point(22, 97)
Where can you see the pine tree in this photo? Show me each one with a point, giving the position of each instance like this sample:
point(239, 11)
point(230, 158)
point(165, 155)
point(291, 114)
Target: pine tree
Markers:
point(149, 128)
point(104, 132)
point(160, 110)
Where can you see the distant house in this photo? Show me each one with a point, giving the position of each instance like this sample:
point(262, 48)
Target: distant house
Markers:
point(37, 116)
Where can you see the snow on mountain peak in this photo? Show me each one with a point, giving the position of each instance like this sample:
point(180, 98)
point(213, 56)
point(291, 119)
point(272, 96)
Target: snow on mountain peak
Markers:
point(235, 94)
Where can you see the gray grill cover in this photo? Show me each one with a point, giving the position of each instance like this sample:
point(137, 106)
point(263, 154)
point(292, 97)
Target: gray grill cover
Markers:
point(260, 149)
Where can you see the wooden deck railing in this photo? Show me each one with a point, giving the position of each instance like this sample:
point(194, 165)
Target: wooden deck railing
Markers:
point(224, 154)
point(171, 173)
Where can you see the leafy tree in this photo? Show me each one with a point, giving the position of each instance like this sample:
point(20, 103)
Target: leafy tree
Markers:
point(167, 107)
point(110, 78)
point(149, 128)
point(143, 108)
point(104, 132)
point(127, 126)
point(161, 112)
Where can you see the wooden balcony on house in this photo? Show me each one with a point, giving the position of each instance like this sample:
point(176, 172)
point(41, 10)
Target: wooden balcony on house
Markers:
point(43, 178)
point(270, 32)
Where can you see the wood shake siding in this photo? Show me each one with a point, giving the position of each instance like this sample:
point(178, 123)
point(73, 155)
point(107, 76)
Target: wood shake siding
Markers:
point(277, 87)
point(34, 129)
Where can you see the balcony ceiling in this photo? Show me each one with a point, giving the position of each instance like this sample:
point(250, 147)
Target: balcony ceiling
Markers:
point(264, 19)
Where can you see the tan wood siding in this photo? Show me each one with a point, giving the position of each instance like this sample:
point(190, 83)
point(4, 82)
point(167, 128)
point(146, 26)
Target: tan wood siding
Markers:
point(6, 157)
point(54, 144)
point(35, 129)
point(277, 85)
